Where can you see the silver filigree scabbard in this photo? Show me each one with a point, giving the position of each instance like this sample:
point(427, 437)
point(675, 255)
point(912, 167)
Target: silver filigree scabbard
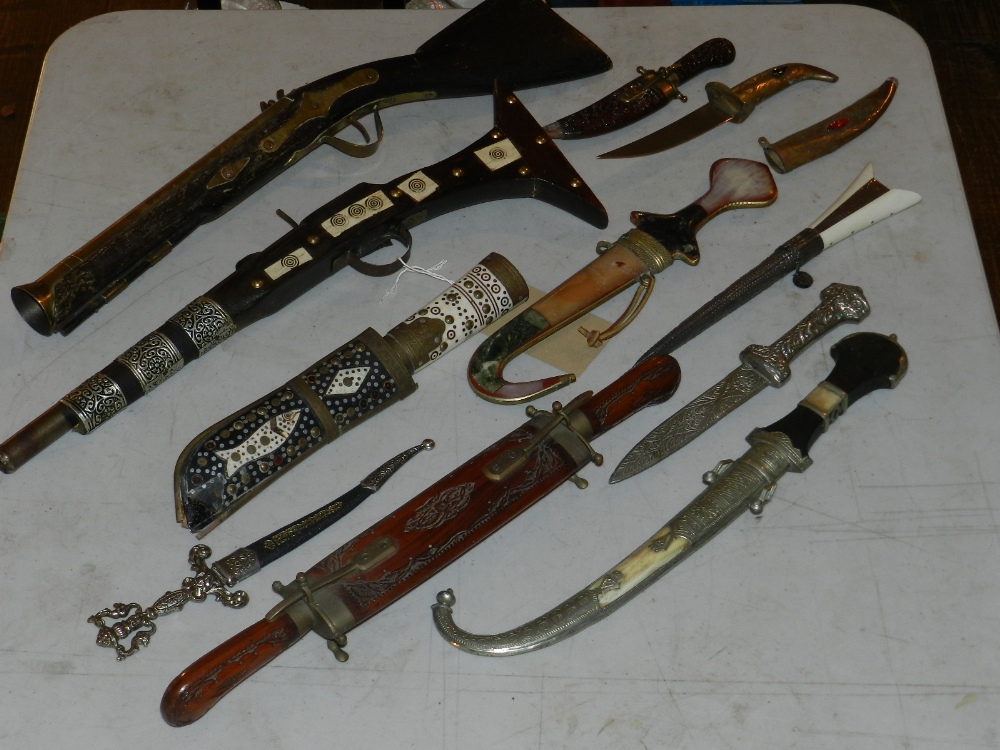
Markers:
point(761, 366)
point(733, 488)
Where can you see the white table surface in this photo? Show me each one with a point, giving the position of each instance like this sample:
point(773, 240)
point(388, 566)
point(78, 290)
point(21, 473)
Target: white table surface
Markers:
point(861, 610)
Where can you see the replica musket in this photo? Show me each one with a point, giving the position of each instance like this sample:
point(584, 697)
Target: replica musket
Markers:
point(649, 92)
point(865, 202)
point(130, 624)
point(653, 245)
point(514, 160)
point(421, 537)
point(232, 461)
point(522, 42)
point(864, 362)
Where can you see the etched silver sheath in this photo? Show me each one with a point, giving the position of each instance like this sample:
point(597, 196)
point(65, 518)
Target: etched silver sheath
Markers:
point(761, 366)
point(865, 362)
point(733, 488)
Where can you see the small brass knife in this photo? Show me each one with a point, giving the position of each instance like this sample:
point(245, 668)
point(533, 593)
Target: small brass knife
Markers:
point(724, 105)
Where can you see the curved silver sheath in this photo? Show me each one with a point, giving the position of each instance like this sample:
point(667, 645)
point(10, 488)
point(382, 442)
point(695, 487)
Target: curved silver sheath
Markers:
point(734, 487)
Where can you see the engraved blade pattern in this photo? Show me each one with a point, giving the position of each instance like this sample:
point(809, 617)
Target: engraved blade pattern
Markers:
point(762, 366)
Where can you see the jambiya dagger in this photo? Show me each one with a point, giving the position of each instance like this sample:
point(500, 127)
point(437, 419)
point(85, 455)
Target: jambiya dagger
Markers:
point(131, 624)
point(864, 362)
point(515, 159)
point(232, 461)
point(424, 535)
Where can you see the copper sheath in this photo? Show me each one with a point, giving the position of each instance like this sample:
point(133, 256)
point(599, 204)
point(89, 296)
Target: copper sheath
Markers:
point(827, 136)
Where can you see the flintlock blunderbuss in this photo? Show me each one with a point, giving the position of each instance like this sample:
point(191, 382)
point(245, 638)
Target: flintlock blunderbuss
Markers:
point(515, 159)
point(522, 42)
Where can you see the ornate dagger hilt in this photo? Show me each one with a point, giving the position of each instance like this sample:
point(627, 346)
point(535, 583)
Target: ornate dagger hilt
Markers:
point(132, 620)
point(840, 303)
point(127, 620)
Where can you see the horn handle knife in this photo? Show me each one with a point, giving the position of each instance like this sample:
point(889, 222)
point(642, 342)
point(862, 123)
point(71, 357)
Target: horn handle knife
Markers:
point(865, 202)
point(648, 93)
point(725, 104)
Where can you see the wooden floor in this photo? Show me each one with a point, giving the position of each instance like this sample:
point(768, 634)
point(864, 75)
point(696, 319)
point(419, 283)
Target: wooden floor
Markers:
point(963, 37)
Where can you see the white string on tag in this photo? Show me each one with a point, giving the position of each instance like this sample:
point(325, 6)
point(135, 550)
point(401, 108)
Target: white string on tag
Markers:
point(432, 272)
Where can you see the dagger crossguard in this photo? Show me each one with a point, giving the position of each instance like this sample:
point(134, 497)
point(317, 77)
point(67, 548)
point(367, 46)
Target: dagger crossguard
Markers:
point(560, 415)
point(132, 620)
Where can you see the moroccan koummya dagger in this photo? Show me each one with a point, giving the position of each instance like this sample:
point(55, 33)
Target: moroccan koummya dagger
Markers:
point(417, 540)
point(865, 362)
point(640, 97)
point(761, 366)
point(236, 458)
point(514, 160)
point(118, 623)
point(522, 42)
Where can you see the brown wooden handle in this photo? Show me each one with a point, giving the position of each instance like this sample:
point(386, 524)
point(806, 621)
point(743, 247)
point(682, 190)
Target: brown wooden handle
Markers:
point(715, 53)
point(650, 382)
point(199, 687)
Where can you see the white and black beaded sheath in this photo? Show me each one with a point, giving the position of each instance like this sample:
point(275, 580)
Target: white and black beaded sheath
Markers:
point(236, 458)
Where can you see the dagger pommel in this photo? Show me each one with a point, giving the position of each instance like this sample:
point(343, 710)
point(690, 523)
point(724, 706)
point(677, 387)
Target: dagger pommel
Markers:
point(865, 362)
point(199, 687)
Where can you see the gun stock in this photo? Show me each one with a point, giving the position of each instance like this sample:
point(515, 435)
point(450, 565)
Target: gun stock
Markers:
point(522, 42)
point(515, 159)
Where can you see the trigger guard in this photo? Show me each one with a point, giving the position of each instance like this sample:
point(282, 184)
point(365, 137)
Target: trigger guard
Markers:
point(372, 269)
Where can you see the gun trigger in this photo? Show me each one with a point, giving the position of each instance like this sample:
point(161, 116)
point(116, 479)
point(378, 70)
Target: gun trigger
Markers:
point(358, 150)
point(399, 234)
point(294, 224)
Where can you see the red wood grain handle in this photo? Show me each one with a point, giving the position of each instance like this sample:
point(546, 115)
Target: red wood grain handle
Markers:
point(199, 687)
point(650, 382)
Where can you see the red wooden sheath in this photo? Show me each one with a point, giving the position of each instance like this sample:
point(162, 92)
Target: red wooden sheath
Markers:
point(423, 536)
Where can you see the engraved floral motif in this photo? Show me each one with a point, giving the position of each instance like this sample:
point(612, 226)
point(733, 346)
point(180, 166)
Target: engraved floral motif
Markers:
point(441, 508)
point(96, 401)
point(152, 360)
point(205, 323)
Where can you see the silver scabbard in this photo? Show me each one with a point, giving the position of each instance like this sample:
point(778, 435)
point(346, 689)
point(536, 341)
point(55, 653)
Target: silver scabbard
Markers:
point(733, 487)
